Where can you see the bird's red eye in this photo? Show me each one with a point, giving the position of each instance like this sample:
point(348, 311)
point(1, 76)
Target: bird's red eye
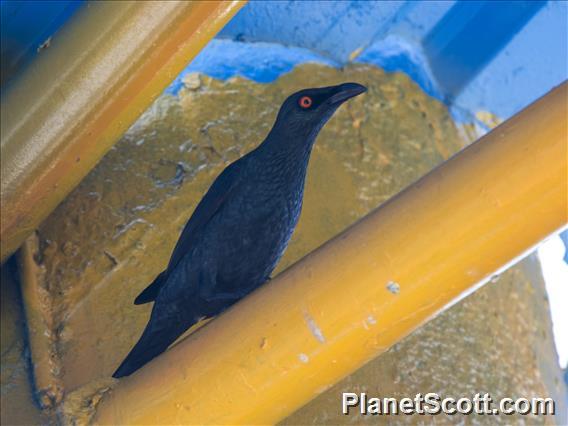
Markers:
point(305, 102)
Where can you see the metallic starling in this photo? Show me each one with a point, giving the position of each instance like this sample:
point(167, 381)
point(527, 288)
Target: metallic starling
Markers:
point(240, 229)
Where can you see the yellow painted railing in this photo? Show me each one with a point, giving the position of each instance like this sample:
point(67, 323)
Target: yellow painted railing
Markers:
point(366, 289)
point(101, 71)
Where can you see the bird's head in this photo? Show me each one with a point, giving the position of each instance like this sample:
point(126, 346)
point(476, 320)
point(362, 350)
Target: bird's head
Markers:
point(305, 112)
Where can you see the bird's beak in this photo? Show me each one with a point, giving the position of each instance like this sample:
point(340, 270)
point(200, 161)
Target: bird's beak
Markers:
point(346, 91)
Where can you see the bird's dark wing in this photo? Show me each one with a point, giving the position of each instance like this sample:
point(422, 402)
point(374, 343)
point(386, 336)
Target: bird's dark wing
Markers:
point(209, 205)
point(151, 292)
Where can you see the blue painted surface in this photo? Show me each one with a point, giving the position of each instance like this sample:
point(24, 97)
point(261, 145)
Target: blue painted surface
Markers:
point(25, 25)
point(532, 63)
point(418, 18)
point(395, 53)
point(469, 36)
point(486, 55)
point(333, 29)
point(261, 62)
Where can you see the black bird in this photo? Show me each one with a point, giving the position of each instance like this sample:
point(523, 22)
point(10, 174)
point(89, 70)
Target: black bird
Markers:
point(240, 229)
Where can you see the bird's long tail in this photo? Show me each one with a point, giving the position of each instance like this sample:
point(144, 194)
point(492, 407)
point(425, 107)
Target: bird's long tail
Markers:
point(157, 336)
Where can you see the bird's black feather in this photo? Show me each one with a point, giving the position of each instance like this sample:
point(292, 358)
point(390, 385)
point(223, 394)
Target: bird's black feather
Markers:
point(150, 293)
point(205, 210)
point(240, 229)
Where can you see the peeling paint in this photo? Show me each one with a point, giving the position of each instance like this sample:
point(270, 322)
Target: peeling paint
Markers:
point(369, 321)
point(314, 328)
point(393, 287)
point(444, 355)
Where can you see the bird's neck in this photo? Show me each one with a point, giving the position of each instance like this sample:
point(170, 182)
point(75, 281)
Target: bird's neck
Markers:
point(291, 140)
point(284, 157)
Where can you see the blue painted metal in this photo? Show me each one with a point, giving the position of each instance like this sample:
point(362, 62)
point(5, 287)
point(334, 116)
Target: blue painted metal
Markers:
point(331, 28)
point(26, 26)
point(486, 55)
point(332, 31)
point(469, 36)
point(395, 53)
point(532, 63)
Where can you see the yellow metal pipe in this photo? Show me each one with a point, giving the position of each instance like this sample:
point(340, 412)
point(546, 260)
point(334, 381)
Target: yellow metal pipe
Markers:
point(366, 289)
point(101, 71)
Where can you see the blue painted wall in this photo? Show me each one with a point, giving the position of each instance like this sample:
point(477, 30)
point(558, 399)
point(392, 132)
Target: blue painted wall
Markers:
point(469, 36)
point(496, 56)
point(533, 62)
point(333, 29)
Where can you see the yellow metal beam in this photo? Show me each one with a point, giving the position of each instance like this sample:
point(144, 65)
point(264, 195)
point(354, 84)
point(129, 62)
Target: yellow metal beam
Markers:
point(101, 71)
point(366, 289)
